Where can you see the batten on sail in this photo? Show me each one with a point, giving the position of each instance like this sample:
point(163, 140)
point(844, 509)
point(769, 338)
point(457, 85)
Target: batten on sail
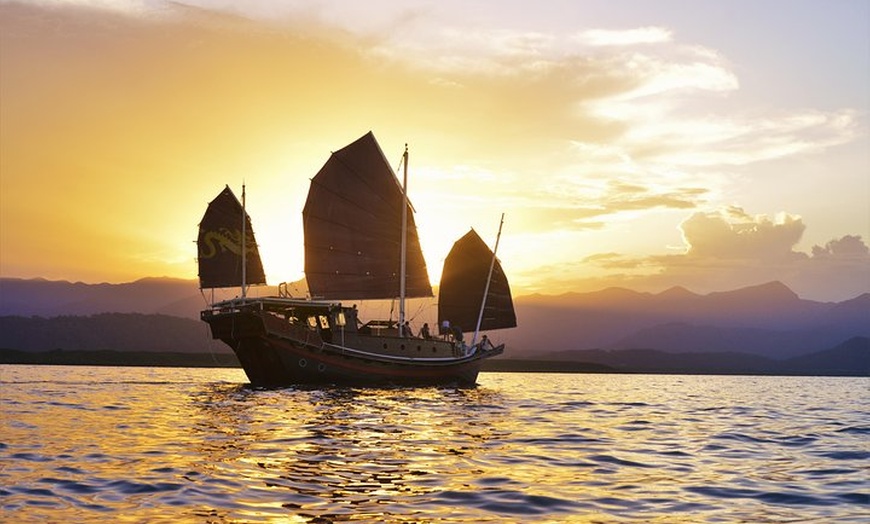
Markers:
point(463, 282)
point(219, 245)
point(352, 223)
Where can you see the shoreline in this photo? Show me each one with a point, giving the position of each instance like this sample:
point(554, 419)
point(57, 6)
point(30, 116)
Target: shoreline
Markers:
point(228, 360)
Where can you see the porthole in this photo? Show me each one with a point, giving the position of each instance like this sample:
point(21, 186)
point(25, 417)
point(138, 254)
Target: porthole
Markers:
point(402, 347)
point(302, 362)
point(321, 367)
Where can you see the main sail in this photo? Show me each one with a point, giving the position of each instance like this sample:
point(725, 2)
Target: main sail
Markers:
point(463, 282)
point(219, 245)
point(352, 222)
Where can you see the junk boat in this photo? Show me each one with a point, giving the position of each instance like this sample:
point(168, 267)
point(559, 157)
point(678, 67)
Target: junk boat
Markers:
point(361, 244)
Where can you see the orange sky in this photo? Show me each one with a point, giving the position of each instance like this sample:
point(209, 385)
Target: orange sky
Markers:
point(623, 152)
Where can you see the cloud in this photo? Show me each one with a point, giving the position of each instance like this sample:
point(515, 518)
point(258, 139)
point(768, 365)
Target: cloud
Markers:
point(617, 261)
point(847, 247)
point(622, 109)
point(571, 132)
point(736, 235)
point(640, 35)
point(544, 88)
point(730, 248)
point(574, 203)
point(107, 117)
point(121, 6)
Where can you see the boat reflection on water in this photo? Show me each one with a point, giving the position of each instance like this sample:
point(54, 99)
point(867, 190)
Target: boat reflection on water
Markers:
point(346, 451)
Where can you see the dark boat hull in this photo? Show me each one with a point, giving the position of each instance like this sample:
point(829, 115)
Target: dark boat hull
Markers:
point(272, 360)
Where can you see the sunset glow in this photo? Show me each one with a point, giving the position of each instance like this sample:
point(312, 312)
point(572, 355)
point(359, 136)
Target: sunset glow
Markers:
point(642, 145)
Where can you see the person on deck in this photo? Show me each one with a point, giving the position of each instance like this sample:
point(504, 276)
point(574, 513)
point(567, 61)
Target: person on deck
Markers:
point(424, 331)
point(445, 328)
point(457, 333)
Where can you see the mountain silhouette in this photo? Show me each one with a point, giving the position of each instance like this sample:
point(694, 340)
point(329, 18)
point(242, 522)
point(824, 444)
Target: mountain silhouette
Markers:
point(108, 331)
point(52, 298)
point(851, 357)
point(767, 321)
point(166, 296)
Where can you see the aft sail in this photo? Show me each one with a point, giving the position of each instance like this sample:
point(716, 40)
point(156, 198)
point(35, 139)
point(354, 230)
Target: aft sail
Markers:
point(219, 245)
point(352, 222)
point(463, 282)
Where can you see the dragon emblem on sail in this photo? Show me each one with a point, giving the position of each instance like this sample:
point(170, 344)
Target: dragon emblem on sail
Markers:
point(219, 245)
point(221, 241)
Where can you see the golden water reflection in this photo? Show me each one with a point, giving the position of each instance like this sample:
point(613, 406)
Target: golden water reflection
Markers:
point(137, 445)
point(347, 452)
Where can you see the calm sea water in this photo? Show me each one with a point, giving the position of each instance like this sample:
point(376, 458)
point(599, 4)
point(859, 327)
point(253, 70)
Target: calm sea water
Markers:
point(89, 444)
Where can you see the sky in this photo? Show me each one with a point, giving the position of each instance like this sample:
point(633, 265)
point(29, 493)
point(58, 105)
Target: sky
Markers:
point(704, 144)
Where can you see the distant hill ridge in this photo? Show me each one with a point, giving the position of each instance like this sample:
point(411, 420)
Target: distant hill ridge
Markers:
point(851, 358)
point(170, 296)
point(123, 332)
point(767, 320)
point(162, 295)
point(137, 339)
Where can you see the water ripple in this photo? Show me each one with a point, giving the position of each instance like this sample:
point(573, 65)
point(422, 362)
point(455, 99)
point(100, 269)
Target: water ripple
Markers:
point(180, 445)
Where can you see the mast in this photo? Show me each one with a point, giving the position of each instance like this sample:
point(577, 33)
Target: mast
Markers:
point(488, 279)
point(244, 245)
point(404, 255)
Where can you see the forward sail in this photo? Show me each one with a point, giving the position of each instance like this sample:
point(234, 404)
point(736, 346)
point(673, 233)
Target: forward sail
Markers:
point(352, 222)
point(463, 282)
point(219, 245)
